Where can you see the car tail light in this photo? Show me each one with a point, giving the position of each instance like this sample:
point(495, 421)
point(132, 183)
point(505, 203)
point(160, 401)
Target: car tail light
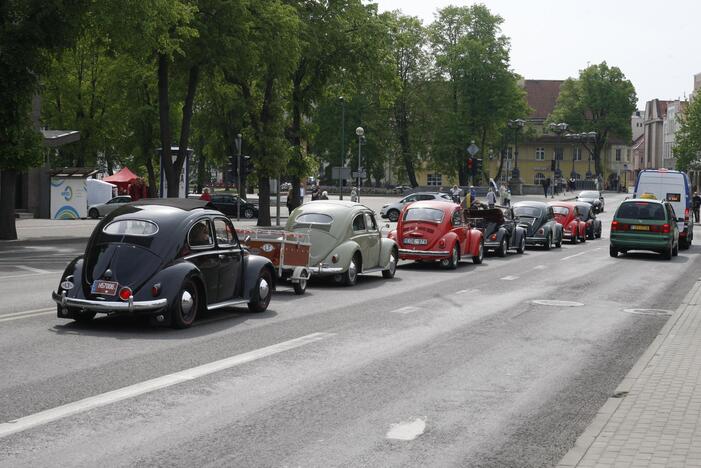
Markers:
point(666, 228)
point(441, 244)
point(334, 258)
point(686, 215)
point(493, 237)
point(156, 289)
point(541, 231)
point(125, 294)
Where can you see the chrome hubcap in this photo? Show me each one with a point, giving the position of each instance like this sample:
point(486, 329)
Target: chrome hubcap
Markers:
point(186, 302)
point(352, 269)
point(263, 288)
point(392, 263)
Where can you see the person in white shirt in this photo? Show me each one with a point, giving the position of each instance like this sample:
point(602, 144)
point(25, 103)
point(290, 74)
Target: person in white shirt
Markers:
point(491, 198)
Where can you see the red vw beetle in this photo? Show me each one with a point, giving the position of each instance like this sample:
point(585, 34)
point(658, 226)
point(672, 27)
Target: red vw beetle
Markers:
point(574, 227)
point(434, 230)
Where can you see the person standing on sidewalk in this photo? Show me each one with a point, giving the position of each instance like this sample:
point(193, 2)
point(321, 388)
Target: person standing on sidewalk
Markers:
point(205, 195)
point(491, 198)
point(455, 193)
point(696, 204)
point(546, 186)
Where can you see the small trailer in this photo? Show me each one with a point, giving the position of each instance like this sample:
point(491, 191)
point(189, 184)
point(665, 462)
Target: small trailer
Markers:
point(289, 252)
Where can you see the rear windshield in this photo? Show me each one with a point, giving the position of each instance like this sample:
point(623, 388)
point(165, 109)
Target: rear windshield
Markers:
point(424, 214)
point(588, 194)
point(527, 211)
point(314, 218)
point(641, 210)
point(560, 210)
point(131, 227)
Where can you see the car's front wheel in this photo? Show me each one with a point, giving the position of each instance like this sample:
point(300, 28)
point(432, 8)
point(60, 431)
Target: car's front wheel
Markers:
point(548, 242)
point(184, 309)
point(93, 213)
point(300, 287)
point(393, 215)
point(392, 267)
point(261, 292)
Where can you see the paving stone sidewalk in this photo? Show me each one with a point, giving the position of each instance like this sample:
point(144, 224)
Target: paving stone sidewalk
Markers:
point(656, 419)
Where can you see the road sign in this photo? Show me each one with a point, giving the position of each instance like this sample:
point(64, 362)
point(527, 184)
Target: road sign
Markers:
point(363, 175)
point(473, 149)
point(345, 172)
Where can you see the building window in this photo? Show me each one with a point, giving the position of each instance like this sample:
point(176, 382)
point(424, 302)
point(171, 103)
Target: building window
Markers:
point(435, 180)
point(577, 153)
point(618, 154)
point(539, 154)
point(539, 178)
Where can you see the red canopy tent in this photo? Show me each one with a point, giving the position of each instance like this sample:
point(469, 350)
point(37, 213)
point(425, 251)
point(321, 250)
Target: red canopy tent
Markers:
point(122, 180)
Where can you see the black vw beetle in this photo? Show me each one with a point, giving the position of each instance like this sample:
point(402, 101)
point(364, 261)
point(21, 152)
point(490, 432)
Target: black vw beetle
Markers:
point(588, 216)
point(500, 230)
point(168, 259)
point(538, 219)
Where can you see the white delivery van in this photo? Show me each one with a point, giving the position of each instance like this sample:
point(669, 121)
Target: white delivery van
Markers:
point(673, 186)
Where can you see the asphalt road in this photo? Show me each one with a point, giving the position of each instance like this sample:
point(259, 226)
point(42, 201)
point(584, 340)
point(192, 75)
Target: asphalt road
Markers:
point(432, 368)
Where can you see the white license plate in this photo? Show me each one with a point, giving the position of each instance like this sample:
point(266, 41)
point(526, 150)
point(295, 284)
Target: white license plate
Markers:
point(107, 288)
point(412, 241)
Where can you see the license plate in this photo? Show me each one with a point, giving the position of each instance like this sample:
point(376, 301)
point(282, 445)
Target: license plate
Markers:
point(638, 227)
point(107, 288)
point(412, 241)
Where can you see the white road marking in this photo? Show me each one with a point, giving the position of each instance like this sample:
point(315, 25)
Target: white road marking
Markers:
point(407, 430)
point(2, 277)
point(405, 310)
point(539, 267)
point(86, 404)
point(580, 253)
point(555, 303)
point(509, 278)
point(26, 313)
point(33, 270)
point(467, 291)
point(9, 319)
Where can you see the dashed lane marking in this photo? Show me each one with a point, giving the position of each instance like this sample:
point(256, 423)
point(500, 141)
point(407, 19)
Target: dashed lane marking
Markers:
point(97, 401)
point(32, 269)
point(580, 253)
point(405, 310)
point(467, 291)
point(509, 278)
point(4, 277)
point(407, 430)
point(539, 267)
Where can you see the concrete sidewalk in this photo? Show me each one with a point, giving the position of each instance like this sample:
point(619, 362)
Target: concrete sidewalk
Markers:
point(654, 418)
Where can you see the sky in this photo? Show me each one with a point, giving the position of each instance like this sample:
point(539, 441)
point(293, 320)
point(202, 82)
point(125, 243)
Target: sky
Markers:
point(656, 44)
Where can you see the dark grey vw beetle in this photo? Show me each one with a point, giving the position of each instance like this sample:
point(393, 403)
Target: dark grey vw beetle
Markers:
point(168, 259)
point(538, 219)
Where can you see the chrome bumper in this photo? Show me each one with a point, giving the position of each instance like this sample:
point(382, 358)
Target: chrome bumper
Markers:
point(109, 306)
point(322, 270)
point(424, 253)
point(489, 245)
point(535, 240)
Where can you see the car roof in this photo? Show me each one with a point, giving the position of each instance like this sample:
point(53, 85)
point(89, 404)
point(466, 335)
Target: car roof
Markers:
point(562, 203)
point(644, 200)
point(436, 204)
point(185, 204)
point(533, 203)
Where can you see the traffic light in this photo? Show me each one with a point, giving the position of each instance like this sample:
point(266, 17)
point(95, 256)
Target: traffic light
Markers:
point(246, 166)
point(477, 167)
point(470, 166)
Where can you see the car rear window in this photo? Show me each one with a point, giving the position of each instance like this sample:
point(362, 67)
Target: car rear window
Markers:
point(641, 210)
point(588, 194)
point(131, 227)
point(314, 218)
point(527, 211)
point(561, 210)
point(424, 214)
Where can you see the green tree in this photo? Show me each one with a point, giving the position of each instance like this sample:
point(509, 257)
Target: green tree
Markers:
point(687, 147)
point(600, 100)
point(30, 30)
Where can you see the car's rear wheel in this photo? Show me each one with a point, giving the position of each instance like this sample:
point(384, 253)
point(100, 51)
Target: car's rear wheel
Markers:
point(503, 247)
point(667, 254)
point(477, 259)
point(248, 213)
point(575, 238)
point(93, 213)
point(613, 251)
point(300, 287)
point(598, 233)
point(393, 215)
point(392, 267)
point(548, 242)
point(184, 309)
point(451, 262)
point(350, 276)
point(261, 292)
point(684, 244)
point(522, 246)
point(675, 250)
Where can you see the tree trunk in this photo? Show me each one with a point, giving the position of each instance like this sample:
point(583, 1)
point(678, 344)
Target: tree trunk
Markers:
point(8, 181)
point(263, 201)
point(173, 191)
point(152, 183)
point(404, 143)
point(295, 138)
point(164, 121)
point(201, 168)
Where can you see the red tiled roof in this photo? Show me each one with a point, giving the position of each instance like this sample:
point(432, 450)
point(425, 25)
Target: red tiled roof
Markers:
point(542, 96)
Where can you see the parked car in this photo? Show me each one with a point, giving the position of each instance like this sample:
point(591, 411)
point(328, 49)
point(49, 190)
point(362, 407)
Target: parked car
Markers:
point(228, 204)
point(589, 217)
point(674, 187)
point(169, 259)
point(644, 224)
point(345, 238)
point(401, 188)
point(103, 209)
point(594, 198)
point(499, 228)
point(434, 230)
point(392, 210)
point(574, 227)
point(538, 219)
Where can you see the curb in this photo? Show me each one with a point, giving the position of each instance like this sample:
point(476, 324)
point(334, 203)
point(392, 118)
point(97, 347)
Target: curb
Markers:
point(584, 442)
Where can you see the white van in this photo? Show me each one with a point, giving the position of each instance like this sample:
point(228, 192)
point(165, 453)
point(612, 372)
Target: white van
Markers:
point(673, 186)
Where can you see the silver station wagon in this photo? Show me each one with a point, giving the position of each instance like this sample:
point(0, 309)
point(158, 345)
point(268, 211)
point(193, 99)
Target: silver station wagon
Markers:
point(346, 240)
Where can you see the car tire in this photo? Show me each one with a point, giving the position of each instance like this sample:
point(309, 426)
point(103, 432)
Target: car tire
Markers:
point(248, 213)
point(667, 253)
point(548, 242)
point(683, 244)
point(675, 250)
point(392, 268)
point(613, 251)
point(451, 263)
point(522, 246)
point(93, 213)
point(575, 239)
point(583, 239)
point(184, 309)
point(350, 276)
point(300, 287)
point(503, 248)
point(393, 215)
point(477, 259)
point(261, 292)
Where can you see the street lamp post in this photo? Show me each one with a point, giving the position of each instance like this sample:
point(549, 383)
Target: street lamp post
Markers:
point(516, 124)
point(559, 129)
point(238, 178)
point(361, 137)
point(586, 137)
point(343, 146)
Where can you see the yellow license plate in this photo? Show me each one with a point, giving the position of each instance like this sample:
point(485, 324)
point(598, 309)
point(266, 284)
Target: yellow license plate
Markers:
point(637, 227)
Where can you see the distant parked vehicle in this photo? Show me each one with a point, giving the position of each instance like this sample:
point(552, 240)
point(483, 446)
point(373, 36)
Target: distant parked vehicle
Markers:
point(401, 188)
point(228, 204)
point(594, 198)
point(500, 230)
point(574, 227)
point(538, 219)
point(392, 210)
point(434, 230)
point(589, 217)
point(103, 209)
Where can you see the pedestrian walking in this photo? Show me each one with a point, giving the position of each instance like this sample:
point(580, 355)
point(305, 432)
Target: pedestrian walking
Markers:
point(491, 198)
point(315, 192)
point(696, 203)
point(324, 195)
point(473, 195)
point(455, 193)
point(354, 194)
point(546, 186)
point(205, 195)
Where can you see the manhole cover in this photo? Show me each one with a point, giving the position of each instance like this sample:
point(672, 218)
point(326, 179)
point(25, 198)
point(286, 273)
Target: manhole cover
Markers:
point(548, 302)
point(648, 311)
